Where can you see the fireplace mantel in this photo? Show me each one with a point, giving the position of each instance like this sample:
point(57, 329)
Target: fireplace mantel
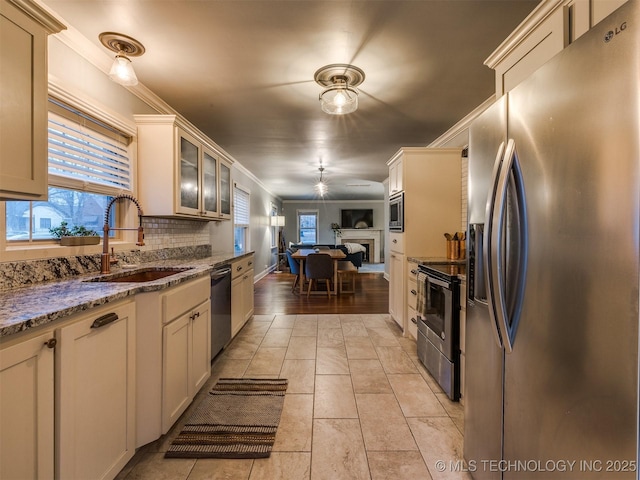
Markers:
point(367, 235)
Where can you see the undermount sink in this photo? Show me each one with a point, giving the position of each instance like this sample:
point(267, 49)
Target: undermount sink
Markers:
point(139, 276)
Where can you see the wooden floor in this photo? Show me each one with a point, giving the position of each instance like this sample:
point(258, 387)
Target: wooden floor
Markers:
point(273, 295)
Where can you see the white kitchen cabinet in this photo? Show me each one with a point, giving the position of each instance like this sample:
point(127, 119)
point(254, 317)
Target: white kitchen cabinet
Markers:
point(27, 407)
point(186, 361)
point(395, 177)
point(431, 180)
point(173, 354)
point(242, 301)
point(412, 299)
point(396, 288)
point(24, 28)
point(174, 157)
point(95, 392)
point(600, 9)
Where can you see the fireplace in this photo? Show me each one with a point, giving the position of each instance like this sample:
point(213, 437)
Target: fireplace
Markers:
point(368, 237)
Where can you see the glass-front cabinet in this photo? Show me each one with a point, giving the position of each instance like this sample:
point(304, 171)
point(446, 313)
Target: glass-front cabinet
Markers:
point(175, 158)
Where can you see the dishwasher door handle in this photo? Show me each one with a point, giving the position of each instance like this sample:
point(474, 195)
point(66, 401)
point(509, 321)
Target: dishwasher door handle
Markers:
point(218, 274)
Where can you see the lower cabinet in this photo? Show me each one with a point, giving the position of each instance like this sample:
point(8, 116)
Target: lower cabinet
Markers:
point(396, 288)
point(412, 300)
point(27, 407)
point(242, 303)
point(186, 361)
point(95, 392)
point(173, 354)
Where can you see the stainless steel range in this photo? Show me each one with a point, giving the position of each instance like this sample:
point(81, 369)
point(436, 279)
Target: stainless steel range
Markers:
point(439, 324)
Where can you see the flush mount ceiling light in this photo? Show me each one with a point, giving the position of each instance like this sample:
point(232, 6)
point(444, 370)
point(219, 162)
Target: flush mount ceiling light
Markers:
point(122, 70)
point(340, 95)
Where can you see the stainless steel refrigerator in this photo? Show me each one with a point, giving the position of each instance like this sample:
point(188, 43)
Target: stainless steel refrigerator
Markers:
point(551, 386)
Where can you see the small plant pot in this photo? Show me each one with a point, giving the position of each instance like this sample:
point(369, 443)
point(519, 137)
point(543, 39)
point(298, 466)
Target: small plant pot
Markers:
point(75, 241)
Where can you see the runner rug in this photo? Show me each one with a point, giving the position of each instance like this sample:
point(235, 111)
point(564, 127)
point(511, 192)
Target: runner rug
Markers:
point(238, 418)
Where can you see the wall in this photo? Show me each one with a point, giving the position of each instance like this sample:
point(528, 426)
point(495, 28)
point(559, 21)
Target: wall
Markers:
point(328, 213)
point(71, 73)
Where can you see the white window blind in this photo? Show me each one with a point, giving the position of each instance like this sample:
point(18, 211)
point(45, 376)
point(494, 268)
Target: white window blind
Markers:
point(86, 152)
point(241, 207)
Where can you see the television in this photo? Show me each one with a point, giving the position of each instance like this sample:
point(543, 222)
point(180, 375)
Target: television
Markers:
point(356, 218)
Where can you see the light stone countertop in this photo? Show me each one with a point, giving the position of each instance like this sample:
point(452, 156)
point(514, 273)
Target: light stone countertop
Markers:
point(28, 307)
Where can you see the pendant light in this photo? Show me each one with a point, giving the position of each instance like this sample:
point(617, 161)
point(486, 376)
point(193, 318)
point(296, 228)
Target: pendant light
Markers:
point(122, 69)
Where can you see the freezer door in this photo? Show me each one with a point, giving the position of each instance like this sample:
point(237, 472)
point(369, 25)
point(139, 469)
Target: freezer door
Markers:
point(571, 381)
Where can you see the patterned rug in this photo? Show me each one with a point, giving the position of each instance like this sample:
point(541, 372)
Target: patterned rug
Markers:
point(237, 419)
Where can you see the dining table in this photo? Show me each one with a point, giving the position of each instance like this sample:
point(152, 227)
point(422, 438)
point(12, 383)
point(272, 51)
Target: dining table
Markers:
point(336, 255)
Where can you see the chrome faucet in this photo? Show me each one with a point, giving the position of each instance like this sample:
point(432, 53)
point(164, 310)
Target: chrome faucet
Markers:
point(106, 260)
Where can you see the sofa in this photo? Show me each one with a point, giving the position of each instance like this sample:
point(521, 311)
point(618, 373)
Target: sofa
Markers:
point(355, 258)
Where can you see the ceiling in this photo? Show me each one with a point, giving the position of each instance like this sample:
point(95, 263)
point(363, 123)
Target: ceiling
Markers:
point(242, 72)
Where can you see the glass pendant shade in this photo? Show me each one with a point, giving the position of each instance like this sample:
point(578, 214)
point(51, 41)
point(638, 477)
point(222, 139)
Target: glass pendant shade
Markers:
point(122, 71)
point(339, 99)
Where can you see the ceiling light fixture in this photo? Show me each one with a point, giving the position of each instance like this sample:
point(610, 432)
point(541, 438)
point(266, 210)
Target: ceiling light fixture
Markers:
point(340, 95)
point(122, 70)
point(321, 187)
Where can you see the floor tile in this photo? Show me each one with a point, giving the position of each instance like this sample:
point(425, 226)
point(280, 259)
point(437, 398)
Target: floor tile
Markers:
point(354, 329)
point(266, 361)
point(383, 425)
point(153, 466)
point(283, 321)
point(395, 360)
point(282, 466)
point(334, 397)
point(221, 469)
point(338, 451)
point(382, 337)
point(328, 321)
point(301, 375)
point(367, 376)
point(332, 360)
point(301, 348)
point(277, 337)
point(360, 348)
point(296, 422)
point(397, 466)
point(415, 397)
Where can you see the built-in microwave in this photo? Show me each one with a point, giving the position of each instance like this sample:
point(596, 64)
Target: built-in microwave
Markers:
point(396, 213)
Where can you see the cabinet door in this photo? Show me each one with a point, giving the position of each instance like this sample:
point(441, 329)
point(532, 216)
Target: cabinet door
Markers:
point(23, 106)
point(176, 365)
point(237, 305)
point(396, 289)
point(247, 295)
point(188, 194)
point(96, 394)
point(395, 177)
point(201, 346)
point(210, 206)
point(225, 190)
point(26, 416)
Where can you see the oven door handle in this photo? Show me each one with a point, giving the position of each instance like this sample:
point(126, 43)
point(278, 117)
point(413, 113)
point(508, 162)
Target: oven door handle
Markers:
point(438, 282)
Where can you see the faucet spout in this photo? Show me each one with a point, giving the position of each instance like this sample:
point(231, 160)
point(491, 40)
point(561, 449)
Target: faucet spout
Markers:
point(105, 264)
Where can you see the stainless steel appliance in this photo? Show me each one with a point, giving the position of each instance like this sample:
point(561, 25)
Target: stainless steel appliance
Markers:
point(552, 312)
point(220, 309)
point(438, 340)
point(396, 213)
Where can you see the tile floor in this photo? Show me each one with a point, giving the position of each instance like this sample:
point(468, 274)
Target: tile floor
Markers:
point(359, 405)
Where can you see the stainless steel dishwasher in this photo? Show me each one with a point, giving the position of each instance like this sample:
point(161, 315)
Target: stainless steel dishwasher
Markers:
point(220, 309)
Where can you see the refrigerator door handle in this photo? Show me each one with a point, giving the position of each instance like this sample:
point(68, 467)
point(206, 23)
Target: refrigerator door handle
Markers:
point(507, 311)
point(486, 250)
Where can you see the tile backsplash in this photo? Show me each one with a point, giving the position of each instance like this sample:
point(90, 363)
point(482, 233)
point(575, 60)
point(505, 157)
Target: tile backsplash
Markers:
point(165, 238)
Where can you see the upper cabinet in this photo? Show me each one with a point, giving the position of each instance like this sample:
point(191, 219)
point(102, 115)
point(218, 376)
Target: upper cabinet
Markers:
point(174, 158)
point(395, 177)
point(551, 26)
point(24, 27)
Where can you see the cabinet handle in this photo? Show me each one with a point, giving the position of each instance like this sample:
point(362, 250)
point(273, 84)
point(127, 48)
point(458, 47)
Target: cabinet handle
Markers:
point(238, 268)
point(51, 343)
point(414, 271)
point(413, 292)
point(250, 263)
point(395, 240)
point(104, 320)
point(413, 320)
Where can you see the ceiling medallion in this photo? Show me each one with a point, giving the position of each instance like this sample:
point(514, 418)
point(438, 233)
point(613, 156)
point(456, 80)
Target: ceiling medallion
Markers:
point(340, 95)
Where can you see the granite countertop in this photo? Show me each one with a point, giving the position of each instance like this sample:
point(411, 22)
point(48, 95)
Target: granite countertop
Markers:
point(28, 307)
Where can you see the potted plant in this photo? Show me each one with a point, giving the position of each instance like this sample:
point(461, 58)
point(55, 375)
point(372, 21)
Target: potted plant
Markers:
point(76, 235)
point(336, 229)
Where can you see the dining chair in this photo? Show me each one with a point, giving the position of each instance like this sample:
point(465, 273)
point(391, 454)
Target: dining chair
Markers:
point(294, 266)
point(318, 266)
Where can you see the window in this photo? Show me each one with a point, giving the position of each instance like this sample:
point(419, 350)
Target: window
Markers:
point(241, 217)
point(308, 226)
point(88, 165)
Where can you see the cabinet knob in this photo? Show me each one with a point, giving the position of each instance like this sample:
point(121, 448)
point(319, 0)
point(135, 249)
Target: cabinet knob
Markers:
point(413, 320)
point(414, 271)
point(395, 240)
point(413, 292)
point(51, 343)
point(238, 268)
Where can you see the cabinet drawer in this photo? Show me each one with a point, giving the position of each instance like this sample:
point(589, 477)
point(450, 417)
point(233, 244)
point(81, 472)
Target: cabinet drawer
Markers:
point(412, 294)
point(241, 266)
point(396, 242)
point(183, 297)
